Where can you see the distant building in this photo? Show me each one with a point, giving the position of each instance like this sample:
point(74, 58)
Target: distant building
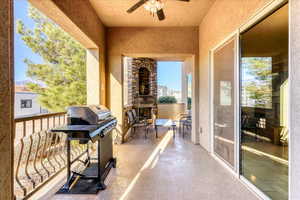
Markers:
point(165, 91)
point(26, 102)
point(162, 90)
point(177, 95)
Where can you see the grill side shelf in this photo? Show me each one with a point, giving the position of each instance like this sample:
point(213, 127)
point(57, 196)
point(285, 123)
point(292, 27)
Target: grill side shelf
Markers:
point(76, 128)
point(103, 130)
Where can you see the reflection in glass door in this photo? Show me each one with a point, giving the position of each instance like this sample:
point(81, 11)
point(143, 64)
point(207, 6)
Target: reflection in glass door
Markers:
point(264, 102)
point(223, 102)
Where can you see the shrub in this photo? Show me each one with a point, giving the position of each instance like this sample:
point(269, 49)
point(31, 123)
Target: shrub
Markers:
point(189, 102)
point(167, 99)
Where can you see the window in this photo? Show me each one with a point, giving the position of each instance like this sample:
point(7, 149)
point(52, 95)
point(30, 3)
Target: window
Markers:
point(26, 103)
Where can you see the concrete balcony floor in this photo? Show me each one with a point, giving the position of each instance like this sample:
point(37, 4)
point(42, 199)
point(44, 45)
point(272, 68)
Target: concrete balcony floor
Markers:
point(166, 169)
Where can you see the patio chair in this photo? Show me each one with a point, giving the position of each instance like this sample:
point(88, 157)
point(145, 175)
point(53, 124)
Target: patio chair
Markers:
point(250, 124)
point(135, 117)
point(185, 122)
point(134, 123)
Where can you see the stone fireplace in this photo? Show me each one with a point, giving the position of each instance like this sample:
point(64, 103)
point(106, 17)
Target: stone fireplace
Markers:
point(144, 86)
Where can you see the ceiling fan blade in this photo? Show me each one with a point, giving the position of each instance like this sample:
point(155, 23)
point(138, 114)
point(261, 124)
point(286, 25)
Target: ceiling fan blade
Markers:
point(136, 6)
point(161, 15)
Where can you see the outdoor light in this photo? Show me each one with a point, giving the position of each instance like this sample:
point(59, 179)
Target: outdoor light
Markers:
point(153, 6)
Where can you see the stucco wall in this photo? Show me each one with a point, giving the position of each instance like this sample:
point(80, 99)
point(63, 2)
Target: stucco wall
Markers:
point(171, 41)
point(6, 100)
point(213, 29)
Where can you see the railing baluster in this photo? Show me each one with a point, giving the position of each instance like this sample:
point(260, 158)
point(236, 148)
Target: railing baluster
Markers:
point(33, 126)
point(27, 162)
point(43, 153)
point(62, 146)
point(49, 150)
point(53, 122)
point(55, 146)
point(64, 119)
point(36, 155)
point(20, 160)
point(47, 123)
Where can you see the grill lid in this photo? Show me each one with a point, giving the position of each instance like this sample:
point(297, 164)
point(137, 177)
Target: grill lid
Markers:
point(87, 114)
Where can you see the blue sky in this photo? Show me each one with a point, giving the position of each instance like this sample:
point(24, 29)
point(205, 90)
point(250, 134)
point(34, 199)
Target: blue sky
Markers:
point(169, 74)
point(21, 50)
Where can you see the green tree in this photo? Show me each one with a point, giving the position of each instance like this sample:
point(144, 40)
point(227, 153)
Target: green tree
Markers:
point(60, 80)
point(167, 99)
point(259, 88)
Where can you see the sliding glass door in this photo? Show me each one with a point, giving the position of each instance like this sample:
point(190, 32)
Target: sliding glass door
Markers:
point(264, 105)
point(223, 102)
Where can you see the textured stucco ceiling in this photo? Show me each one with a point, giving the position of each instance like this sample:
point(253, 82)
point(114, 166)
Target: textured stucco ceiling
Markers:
point(113, 13)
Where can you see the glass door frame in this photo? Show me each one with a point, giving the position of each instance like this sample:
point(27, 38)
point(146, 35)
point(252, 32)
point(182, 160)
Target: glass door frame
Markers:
point(232, 37)
point(260, 15)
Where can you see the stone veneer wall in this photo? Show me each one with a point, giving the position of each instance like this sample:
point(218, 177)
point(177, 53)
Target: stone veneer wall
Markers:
point(128, 80)
point(151, 65)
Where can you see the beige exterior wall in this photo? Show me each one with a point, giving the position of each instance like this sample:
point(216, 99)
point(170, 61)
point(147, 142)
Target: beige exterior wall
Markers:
point(6, 100)
point(214, 29)
point(79, 19)
point(93, 77)
point(170, 111)
point(173, 42)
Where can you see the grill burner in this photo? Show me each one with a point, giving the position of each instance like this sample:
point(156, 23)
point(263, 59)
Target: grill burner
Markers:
point(89, 123)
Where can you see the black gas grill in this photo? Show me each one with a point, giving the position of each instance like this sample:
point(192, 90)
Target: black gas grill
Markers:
point(90, 123)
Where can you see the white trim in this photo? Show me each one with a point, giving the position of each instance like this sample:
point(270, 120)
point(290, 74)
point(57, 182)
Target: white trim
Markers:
point(262, 13)
point(226, 40)
point(211, 101)
point(237, 102)
point(232, 37)
point(253, 188)
point(225, 164)
point(289, 107)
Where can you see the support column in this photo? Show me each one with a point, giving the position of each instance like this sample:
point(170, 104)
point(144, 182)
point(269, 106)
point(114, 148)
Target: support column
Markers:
point(6, 99)
point(93, 77)
point(294, 158)
point(184, 87)
point(195, 101)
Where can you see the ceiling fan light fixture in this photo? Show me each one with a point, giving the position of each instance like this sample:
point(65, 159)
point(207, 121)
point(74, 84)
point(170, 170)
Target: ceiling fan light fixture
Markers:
point(153, 6)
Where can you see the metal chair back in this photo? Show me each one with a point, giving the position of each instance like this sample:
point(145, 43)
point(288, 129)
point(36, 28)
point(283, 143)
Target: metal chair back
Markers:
point(134, 113)
point(130, 117)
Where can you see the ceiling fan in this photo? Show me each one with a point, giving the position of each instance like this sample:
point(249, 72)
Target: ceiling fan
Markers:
point(153, 6)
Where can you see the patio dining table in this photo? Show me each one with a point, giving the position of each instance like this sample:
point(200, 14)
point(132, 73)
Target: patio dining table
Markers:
point(165, 123)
